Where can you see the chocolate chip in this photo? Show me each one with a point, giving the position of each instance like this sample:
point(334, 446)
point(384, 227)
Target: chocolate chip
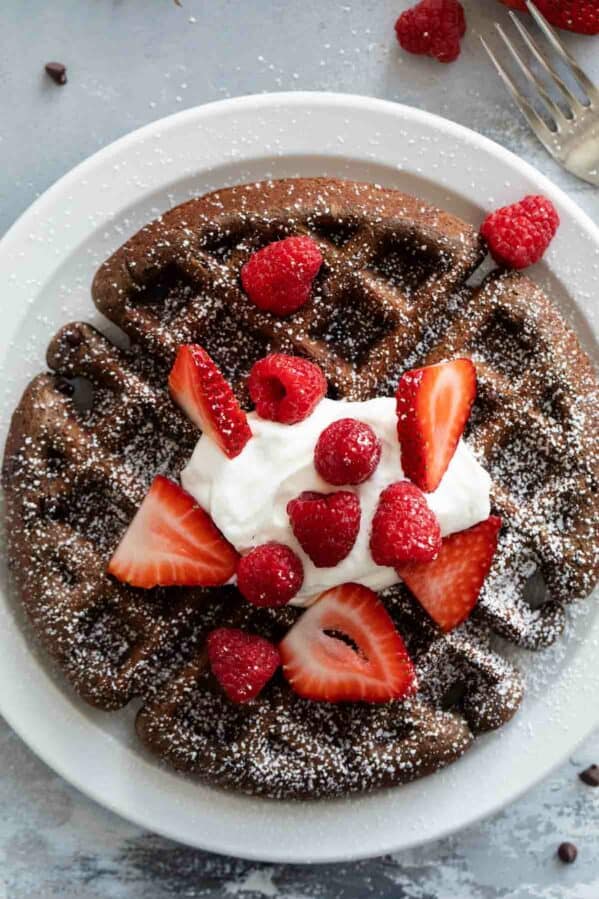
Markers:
point(57, 72)
point(590, 776)
point(65, 387)
point(567, 852)
point(49, 508)
point(73, 338)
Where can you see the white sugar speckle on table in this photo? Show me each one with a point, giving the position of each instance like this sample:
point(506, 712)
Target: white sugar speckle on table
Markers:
point(125, 69)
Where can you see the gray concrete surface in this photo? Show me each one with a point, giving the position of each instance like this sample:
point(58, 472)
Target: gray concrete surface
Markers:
point(133, 61)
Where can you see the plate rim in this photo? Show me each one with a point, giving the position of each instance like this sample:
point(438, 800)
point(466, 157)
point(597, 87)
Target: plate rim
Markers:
point(13, 238)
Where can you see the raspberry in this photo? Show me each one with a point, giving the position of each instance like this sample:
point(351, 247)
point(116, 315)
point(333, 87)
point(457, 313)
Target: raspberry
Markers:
point(575, 15)
point(433, 28)
point(278, 278)
point(325, 525)
point(403, 527)
point(270, 575)
point(347, 452)
point(286, 388)
point(518, 235)
point(242, 663)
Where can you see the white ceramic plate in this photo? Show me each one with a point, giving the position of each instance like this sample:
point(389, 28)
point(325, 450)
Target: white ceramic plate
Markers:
point(46, 265)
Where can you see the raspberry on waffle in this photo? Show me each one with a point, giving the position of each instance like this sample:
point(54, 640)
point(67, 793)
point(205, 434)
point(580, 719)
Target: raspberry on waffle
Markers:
point(390, 294)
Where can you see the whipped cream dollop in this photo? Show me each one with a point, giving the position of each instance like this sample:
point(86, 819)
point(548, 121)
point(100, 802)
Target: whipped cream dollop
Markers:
point(247, 496)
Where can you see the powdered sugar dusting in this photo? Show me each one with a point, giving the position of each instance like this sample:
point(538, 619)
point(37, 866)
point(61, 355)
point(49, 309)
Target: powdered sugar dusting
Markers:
point(391, 294)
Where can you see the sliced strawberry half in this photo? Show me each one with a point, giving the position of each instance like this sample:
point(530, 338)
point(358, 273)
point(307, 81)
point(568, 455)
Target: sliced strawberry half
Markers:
point(433, 405)
point(449, 587)
point(172, 541)
point(197, 385)
point(346, 648)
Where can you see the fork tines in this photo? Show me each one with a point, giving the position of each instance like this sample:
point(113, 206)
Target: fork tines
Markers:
point(562, 116)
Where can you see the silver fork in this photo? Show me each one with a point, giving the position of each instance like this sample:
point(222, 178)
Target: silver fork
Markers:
point(571, 137)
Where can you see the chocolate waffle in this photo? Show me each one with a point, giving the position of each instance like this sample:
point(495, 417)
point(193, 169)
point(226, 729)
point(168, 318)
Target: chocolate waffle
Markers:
point(88, 437)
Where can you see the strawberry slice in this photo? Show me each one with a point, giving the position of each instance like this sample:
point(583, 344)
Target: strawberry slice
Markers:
point(449, 587)
point(371, 665)
point(433, 405)
point(197, 385)
point(172, 541)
